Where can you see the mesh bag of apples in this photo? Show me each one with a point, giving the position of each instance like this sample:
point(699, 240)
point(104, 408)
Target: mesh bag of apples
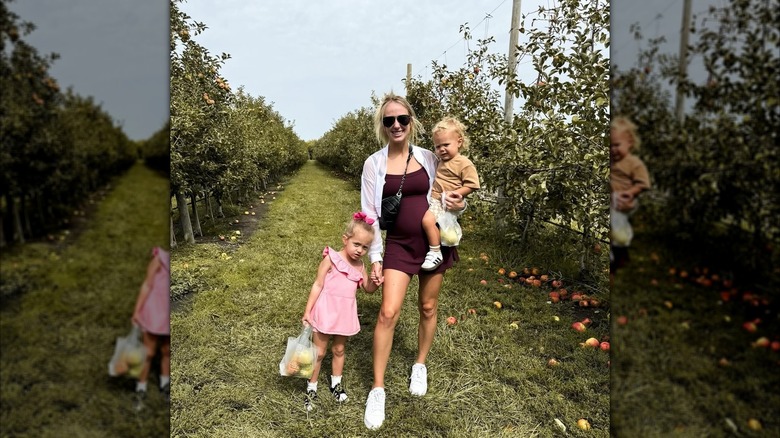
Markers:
point(129, 355)
point(298, 360)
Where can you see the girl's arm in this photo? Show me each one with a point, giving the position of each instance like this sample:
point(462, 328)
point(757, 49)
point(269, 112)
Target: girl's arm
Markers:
point(146, 287)
point(368, 285)
point(316, 288)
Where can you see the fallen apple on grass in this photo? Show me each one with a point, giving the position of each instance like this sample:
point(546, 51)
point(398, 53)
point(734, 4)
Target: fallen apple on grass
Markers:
point(497, 304)
point(590, 342)
point(750, 326)
point(761, 342)
point(552, 362)
point(452, 320)
point(604, 346)
point(578, 326)
point(583, 424)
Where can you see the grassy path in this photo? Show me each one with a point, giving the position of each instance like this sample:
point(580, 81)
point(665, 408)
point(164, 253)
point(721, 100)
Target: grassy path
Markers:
point(486, 378)
point(683, 364)
point(58, 337)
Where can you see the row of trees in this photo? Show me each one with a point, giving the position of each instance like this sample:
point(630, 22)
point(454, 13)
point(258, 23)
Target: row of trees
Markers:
point(550, 163)
point(57, 147)
point(221, 140)
point(716, 171)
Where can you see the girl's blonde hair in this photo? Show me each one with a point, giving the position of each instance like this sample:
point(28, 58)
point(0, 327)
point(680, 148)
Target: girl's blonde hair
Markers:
point(358, 221)
point(456, 125)
point(624, 124)
point(415, 127)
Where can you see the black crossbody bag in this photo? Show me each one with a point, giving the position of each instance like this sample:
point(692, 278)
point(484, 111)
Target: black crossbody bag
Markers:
point(392, 204)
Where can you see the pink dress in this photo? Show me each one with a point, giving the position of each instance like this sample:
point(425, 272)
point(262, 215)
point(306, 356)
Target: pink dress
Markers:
point(154, 316)
point(335, 311)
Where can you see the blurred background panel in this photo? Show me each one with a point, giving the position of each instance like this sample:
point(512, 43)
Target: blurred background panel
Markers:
point(83, 201)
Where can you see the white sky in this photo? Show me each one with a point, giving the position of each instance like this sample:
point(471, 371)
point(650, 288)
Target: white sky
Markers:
point(317, 61)
point(113, 50)
point(656, 18)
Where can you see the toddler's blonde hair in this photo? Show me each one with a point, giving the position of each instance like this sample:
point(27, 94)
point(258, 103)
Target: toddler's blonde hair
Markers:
point(624, 124)
point(456, 125)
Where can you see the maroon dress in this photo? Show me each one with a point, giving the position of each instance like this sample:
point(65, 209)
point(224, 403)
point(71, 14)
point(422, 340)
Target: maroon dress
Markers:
point(406, 244)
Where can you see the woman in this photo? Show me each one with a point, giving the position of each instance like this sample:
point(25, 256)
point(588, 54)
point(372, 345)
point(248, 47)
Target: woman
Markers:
point(396, 126)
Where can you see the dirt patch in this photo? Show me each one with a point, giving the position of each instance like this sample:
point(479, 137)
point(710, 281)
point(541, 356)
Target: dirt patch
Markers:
point(246, 223)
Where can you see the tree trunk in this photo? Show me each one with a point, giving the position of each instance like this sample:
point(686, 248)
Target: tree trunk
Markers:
point(18, 234)
point(3, 243)
point(195, 215)
point(26, 217)
point(184, 216)
point(173, 235)
point(207, 197)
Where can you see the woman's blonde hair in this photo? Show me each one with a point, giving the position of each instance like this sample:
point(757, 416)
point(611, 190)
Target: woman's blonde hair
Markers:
point(456, 125)
point(415, 127)
point(624, 124)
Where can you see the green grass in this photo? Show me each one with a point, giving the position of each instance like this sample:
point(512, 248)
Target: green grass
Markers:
point(485, 378)
point(667, 377)
point(66, 308)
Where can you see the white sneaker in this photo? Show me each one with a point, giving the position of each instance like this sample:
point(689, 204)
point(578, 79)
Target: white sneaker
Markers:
point(375, 409)
point(432, 260)
point(419, 380)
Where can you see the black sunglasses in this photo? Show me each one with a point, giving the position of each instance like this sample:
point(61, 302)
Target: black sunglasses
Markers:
point(390, 120)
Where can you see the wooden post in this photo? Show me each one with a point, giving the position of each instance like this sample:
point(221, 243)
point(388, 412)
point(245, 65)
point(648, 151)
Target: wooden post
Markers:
point(514, 32)
point(684, 33)
point(408, 77)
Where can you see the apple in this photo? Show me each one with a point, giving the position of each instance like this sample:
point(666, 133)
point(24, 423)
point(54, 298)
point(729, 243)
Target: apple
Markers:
point(556, 318)
point(604, 346)
point(556, 283)
point(591, 342)
point(501, 271)
point(586, 321)
point(513, 325)
point(483, 282)
point(452, 320)
point(584, 303)
point(668, 304)
point(594, 302)
point(750, 326)
point(761, 342)
point(497, 304)
point(537, 283)
point(544, 277)
point(754, 424)
point(552, 362)
point(580, 327)
point(583, 424)
point(775, 345)
point(724, 362)
point(576, 296)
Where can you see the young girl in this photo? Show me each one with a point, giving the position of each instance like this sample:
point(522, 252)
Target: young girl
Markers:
point(152, 315)
point(629, 177)
point(332, 307)
point(455, 173)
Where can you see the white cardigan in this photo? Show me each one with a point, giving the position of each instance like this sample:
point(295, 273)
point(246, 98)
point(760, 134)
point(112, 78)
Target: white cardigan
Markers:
point(373, 182)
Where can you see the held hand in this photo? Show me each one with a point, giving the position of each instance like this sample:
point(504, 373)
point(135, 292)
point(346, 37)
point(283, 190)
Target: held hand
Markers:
point(376, 273)
point(454, 201)
point(305, 319)
point(625, 201)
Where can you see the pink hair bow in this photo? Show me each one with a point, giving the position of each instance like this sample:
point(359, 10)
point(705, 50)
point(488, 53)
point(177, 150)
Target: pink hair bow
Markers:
point(360, 216)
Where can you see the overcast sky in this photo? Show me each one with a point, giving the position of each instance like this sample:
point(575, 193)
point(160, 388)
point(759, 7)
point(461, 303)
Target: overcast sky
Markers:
point(656, 18)
point(317, 61)
point(113, 50)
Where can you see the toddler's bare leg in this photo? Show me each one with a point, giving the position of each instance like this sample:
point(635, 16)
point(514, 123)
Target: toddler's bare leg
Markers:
point(430, 228)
